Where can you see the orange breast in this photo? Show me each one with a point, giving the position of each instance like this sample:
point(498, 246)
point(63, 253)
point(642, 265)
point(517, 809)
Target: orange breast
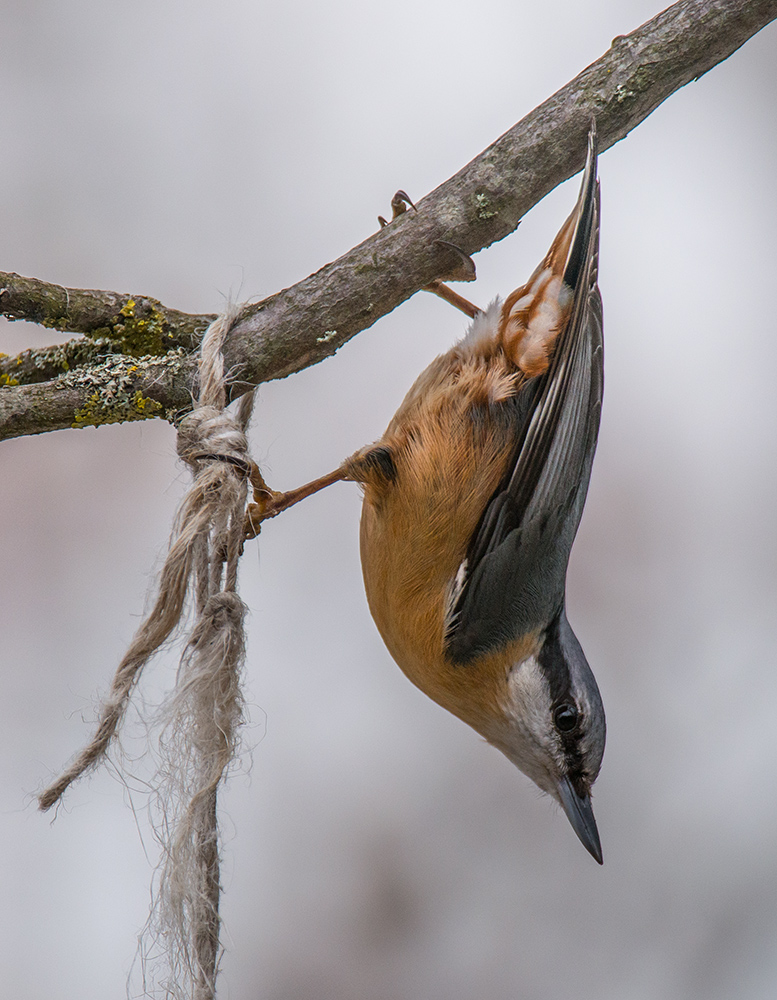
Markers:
point(449, 460)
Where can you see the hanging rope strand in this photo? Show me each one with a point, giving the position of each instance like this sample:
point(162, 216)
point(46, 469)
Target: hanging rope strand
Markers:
point(202, 716)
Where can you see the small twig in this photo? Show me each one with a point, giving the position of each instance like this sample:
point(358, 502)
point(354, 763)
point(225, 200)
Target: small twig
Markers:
point(134, 323)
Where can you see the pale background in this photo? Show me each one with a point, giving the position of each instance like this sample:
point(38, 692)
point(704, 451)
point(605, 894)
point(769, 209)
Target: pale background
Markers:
point(378, 849)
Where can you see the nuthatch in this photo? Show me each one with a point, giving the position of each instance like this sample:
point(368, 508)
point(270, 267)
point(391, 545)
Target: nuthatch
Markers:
point(472, 499)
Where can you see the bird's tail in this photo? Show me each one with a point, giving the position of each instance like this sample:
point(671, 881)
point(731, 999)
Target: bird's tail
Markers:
point(534, 314)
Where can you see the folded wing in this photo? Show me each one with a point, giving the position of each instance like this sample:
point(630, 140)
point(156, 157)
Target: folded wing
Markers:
point(512, 580)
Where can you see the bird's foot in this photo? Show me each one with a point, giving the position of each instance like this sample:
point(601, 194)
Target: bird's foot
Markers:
point(457, 265)
point(269, 503)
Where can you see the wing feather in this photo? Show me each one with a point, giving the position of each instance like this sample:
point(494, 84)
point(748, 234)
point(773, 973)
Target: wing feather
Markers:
point(513, 577)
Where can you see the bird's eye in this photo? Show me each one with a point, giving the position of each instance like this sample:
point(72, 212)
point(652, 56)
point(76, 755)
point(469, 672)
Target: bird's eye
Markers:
point(565, 718)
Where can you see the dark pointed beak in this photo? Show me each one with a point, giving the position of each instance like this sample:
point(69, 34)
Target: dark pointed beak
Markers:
point(581, 816)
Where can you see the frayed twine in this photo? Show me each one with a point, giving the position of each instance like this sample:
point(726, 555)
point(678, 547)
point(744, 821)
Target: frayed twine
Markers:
point(204, 711)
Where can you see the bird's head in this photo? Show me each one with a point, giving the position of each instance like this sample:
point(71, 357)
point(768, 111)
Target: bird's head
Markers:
point(553, 726)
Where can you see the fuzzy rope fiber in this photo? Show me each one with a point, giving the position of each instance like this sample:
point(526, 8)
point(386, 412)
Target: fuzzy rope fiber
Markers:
point(202, 715)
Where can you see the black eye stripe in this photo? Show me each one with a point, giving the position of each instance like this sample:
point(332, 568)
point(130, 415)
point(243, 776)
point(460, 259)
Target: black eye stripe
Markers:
point(555, 667)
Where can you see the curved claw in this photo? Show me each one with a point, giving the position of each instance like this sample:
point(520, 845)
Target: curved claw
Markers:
point(462, 265)
point(399, 203)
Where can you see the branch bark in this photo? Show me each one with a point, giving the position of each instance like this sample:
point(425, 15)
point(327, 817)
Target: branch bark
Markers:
point(302, 325)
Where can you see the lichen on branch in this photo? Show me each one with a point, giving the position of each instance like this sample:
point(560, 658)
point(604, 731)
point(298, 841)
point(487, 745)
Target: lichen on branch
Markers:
point(302, 325)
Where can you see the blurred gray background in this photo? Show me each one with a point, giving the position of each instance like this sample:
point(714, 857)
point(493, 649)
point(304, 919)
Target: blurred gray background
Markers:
point(375, 847)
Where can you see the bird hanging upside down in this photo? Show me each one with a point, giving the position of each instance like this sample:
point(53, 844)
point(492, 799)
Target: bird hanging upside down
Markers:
point(472, 499)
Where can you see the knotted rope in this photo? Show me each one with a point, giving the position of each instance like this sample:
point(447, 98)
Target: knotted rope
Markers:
point(204, 711)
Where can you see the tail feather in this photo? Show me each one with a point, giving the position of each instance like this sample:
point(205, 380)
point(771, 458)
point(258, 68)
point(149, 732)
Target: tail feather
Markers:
point(534, 314)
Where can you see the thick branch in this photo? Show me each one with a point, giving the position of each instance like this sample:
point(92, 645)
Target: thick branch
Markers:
point(485, 200)
point(479, 205)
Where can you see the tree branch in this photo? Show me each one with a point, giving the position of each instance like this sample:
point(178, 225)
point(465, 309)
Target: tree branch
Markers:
point(135, 324)
point(302, 325)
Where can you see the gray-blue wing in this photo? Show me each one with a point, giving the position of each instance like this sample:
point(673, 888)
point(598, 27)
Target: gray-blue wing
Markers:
point(512, 580)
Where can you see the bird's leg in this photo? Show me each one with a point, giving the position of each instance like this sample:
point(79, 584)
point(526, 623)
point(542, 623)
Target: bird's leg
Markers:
point(268, 503)
point(438, 288)
point(374, 463)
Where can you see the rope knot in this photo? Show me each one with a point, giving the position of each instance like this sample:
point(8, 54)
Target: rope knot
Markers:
point(210, 434)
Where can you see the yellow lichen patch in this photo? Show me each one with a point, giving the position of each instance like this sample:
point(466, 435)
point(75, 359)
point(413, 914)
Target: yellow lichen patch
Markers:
point(99, 410)
point(145, 405)
point(109, 388)
point(140, 335)
point(89, 413)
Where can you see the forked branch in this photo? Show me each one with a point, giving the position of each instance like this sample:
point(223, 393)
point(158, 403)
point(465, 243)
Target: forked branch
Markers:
point(124, 369)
